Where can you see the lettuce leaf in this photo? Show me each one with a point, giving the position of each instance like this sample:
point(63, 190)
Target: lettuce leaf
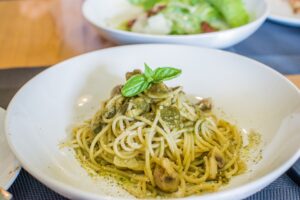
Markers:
point(180, 15)
point(233, 11)
point(205, 12)
point(187, 16)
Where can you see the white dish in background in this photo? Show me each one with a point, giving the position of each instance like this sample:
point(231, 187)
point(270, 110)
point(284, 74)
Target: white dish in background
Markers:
point(99, 13)
point(41, 114)
point(9, 166)
point(282, 12)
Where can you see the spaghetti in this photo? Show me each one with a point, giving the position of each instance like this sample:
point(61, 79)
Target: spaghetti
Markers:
point(159, 144)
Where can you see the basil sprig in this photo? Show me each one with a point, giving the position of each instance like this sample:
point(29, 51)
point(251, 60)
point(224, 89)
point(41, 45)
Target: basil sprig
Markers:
point(141, 82)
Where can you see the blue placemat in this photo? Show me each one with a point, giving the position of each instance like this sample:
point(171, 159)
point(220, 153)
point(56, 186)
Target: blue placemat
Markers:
point(28, 188)
point(275, 45)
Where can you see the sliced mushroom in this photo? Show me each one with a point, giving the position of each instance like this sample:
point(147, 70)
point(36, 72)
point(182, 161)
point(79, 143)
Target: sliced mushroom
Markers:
point(150, 116)
point(110, 112)
point(134, 72)
point(165, 177)
point(219, 158)
point(124, 106)
point(216, 161)
point(132, 163)
point(171, 116)
point(205, 104)
point(116, 90)
point(158, 90)
point(98, 127)
point(140, 106)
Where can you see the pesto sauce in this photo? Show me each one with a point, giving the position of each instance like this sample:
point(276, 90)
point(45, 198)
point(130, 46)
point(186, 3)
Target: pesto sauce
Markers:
point(252, 152)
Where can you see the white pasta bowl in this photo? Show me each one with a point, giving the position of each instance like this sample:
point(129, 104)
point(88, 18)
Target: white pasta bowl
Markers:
point(252, 95)
point(105, 15)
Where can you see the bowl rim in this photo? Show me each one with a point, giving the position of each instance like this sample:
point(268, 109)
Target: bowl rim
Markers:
point(285, 20)
point(70, 191)
point(288, 20)
point(258, 20)
point(17, 168)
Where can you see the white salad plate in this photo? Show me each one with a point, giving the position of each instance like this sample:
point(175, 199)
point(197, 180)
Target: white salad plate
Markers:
point(9, 166)
point(253, 96)
point(106, 15)
point(281, 12)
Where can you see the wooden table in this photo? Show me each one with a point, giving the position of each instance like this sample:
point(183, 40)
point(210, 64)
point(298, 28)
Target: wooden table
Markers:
point(36, 33)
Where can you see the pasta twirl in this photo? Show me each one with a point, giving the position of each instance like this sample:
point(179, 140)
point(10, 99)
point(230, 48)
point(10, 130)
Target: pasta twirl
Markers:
point(159, 144)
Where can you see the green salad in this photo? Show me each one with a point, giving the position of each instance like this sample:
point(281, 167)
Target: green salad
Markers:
point(179, 17)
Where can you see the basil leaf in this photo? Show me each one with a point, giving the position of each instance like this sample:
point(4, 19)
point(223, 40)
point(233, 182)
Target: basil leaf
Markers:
point(165, 73)
point(135, 85)
point(140, 82)
point(148, 72)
